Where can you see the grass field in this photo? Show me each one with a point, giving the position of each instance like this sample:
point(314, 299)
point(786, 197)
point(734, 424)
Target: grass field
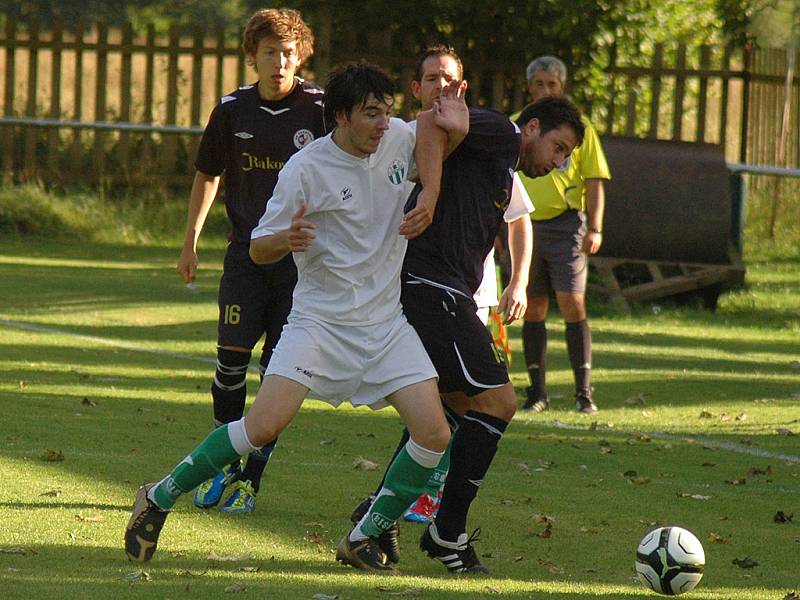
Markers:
point(106, 359)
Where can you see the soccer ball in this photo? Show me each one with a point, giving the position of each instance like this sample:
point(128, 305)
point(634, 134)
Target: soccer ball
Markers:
point(670, 560)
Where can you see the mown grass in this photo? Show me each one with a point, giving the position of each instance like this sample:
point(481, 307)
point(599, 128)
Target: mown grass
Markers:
point(105, 360)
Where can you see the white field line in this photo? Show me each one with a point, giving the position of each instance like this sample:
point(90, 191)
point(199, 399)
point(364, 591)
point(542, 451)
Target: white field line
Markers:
point(109, 342)
point(701, 441)
point(719, 445)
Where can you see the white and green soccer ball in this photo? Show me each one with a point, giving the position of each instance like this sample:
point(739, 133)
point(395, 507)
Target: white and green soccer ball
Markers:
point(670, 560)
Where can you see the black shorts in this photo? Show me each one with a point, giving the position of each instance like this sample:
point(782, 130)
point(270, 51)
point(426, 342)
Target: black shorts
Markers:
point(253, 299)
point(558, 262)
point(458, 343)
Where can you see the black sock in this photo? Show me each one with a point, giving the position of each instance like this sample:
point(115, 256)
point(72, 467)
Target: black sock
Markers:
point(534, 344)
point(229, 388)
point(473, 448)
point(256, 463)
point(579, 348)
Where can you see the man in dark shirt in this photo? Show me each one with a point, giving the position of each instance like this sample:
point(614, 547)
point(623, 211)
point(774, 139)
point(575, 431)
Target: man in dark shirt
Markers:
point(442, 270)
point(250, 135)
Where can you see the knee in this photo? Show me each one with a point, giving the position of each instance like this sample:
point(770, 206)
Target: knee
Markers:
point(260, 433)
point(436, 439)
point(537, 308)
point(507, 407)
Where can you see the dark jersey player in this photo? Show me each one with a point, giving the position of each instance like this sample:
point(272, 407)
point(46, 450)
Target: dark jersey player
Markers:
point(250, 135)
point(442, 270)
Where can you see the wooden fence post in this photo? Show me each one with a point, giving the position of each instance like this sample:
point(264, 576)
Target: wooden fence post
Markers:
point(29, 169)
point(680, 91)
point(124, 153)
point(53, 150)
point(76, 151)
point(655, 90)
point(101, 81)
point(8, 102)
point(702, 94)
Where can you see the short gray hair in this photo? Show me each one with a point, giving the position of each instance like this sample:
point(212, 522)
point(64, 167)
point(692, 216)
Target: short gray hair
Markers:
point(547, 63)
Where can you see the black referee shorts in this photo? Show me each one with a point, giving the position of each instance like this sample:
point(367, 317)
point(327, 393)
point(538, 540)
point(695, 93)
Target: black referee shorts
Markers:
point(458, 343)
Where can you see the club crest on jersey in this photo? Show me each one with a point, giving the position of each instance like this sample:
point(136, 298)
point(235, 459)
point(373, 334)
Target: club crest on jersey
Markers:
point(397, 172)
point(302, 137)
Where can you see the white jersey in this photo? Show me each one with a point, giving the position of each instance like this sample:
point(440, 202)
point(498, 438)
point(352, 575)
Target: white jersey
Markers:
point(519, 206)
point(351, 273)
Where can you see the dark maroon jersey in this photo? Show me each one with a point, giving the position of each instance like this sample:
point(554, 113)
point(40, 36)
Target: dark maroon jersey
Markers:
point(475, 192)
point(250, 139)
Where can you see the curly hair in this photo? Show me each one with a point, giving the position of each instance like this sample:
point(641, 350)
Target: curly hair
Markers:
point(286, 24)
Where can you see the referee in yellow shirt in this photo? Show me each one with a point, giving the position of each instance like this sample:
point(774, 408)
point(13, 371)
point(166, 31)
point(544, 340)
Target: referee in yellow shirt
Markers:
point(567, 228)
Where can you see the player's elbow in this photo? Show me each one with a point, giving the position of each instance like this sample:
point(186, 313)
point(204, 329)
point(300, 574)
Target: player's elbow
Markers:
point(258, 251)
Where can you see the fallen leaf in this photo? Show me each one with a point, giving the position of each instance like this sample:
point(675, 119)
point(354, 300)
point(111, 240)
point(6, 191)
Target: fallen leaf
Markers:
point(791, 596)
point(540, 518)
point(14, 550)
point(52, 455)
point(718, 539)
point(630, 474)
point(550, 566)
point(21, 385)
point(740, 481)
point(490, 590)
point(784, 431)
point(519, 558)
point(51, 493)
point(228, 558)
point(606, 450)
point(639, 480)
point(693, 496)
point(235, 588)
point(704, 414)
point(643, 437)
point(524, 468)
point(547, 532)
point(647, 413)
point(362, 464)
point(87, 402)
point(637, 400)
point(252, 569)
point(408, 592)
point(741, 417)
point(327, 442)
point(745, 563)
point(794, 364)
point(755, 471)
point(137, 576)
point(89, 519)
point(315, 537)
point(708, 464)
point(782, 517)
point(324, 597)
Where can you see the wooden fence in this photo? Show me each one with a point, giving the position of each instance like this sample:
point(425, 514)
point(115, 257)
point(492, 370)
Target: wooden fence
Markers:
point(113, 106)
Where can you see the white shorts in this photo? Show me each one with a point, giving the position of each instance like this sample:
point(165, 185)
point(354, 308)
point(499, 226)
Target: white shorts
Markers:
point(362, 364)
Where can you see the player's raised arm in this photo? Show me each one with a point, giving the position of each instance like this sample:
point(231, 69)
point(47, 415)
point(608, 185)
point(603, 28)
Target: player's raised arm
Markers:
point(297, 238)
point(439, 131)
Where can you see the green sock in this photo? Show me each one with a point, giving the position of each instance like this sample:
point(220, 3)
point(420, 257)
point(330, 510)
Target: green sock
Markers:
point(405, 481)
point(437, 478)
point(204, 462)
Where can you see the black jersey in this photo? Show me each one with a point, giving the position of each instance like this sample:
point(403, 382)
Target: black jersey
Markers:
point(250, 139)
point(475, 192)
